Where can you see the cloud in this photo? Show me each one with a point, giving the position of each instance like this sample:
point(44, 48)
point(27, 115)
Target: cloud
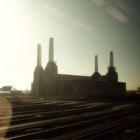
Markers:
point(83, 25)
point(124, 5)
point(117, 14)
point(72, 20)
point(99, 2)
point(56, 11)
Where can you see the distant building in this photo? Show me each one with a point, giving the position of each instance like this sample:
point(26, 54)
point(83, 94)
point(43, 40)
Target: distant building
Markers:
point(48, 83)
point(6, 88)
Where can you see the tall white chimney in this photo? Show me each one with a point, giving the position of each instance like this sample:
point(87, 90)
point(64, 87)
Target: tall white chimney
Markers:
point(111, 59)
point(96, 63)
point(51, 43)
point(38, 55)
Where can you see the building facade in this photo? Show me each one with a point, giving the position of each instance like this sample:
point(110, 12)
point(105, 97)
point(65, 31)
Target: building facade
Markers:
point(48, 83)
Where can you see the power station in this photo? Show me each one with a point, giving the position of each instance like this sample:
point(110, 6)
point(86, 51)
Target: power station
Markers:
point(48, 83)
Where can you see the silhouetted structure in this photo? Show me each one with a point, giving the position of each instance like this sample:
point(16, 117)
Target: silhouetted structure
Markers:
point(48, 83)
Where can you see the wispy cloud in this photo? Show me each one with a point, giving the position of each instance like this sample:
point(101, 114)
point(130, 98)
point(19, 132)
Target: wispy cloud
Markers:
point(83, 25)
point(77, 22)
point(99, 2)
point(124, 5)
point(117, 14)
point(56, 11)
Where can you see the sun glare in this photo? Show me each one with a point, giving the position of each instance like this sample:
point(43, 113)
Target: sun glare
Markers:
point(12, 21)
point(13, 37)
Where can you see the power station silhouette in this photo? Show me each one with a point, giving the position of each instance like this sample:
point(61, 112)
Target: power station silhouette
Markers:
point(48, 83)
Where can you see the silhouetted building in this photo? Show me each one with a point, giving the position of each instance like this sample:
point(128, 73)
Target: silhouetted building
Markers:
point(48, 83)
point(7, 88)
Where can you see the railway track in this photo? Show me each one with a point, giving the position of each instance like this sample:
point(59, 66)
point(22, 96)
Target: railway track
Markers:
point(66, 120)
point(73, 125)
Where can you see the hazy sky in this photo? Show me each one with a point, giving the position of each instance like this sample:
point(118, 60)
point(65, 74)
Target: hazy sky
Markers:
point(81, 29)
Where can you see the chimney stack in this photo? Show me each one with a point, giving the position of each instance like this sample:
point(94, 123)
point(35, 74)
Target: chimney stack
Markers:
point(96, 63)
point(38, 55)
point(51, 42)
point(96, 74)
point(111, 59)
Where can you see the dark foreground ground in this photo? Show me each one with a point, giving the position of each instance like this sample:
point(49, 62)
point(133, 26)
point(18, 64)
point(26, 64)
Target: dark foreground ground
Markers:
point(45, 119)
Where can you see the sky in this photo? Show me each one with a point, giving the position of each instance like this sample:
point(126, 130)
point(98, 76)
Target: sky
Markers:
point(81, 30)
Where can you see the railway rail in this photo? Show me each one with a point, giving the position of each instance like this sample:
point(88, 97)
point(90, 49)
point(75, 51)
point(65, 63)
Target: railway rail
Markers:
point(76, 120)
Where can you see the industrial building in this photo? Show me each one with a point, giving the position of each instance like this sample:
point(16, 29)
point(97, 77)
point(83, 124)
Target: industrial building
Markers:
point(48, 83)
